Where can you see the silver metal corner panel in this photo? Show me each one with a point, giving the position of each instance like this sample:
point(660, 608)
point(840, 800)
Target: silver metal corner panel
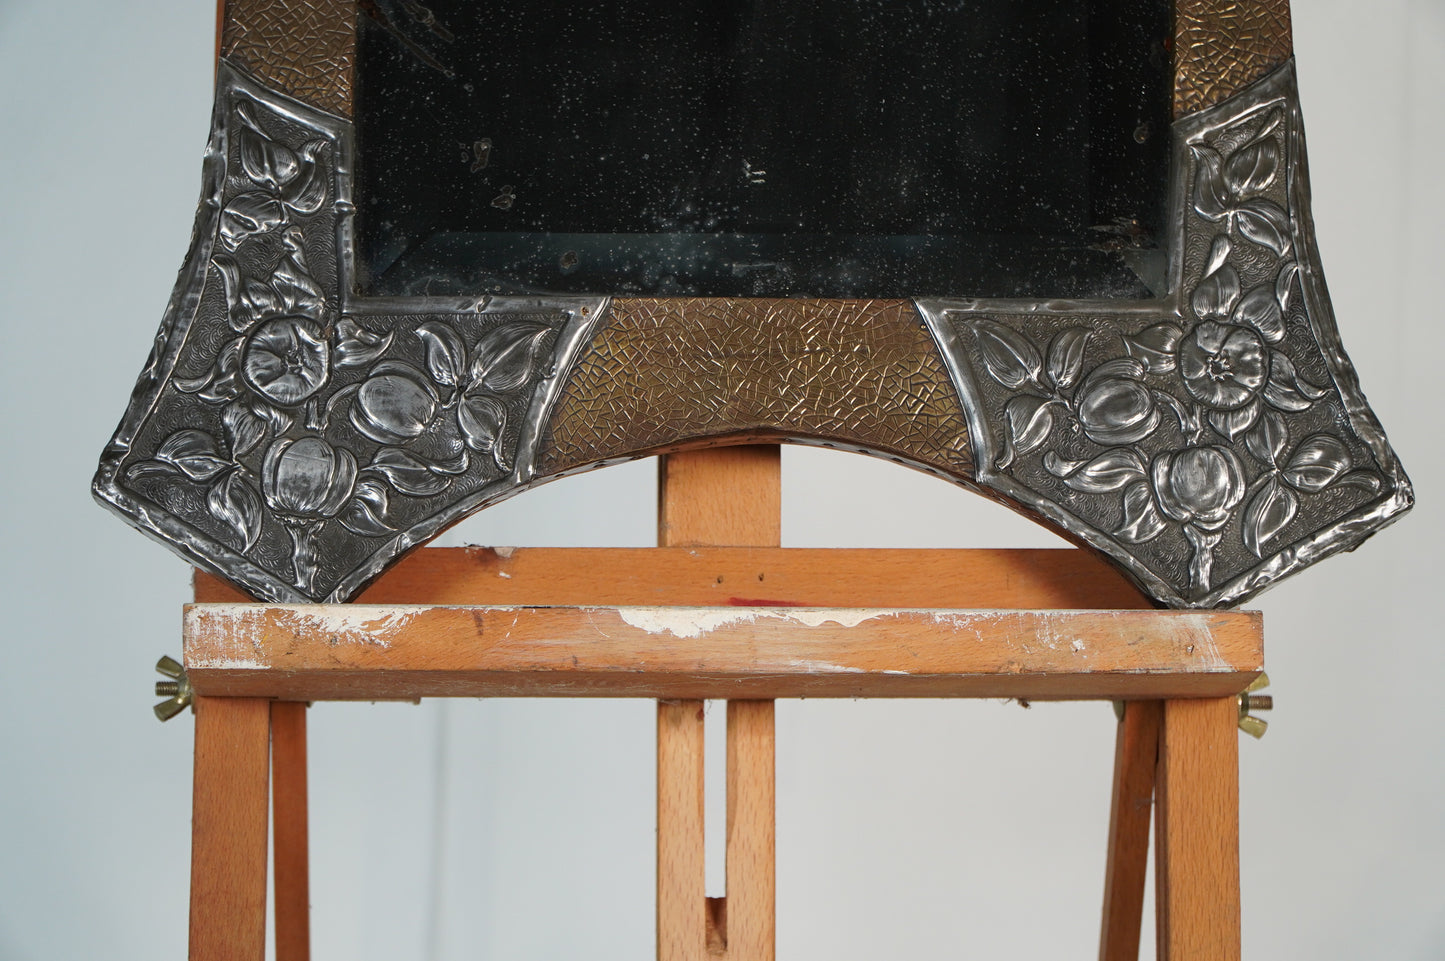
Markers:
point(1210, 444)
point(296, 439)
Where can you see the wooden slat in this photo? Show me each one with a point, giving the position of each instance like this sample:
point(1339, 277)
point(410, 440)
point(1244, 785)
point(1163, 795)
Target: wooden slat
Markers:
point(751, 830)
point(681, 869)
point(1197, 874)
point(1136, 757)
point(1063, 579)
point(228, 830)
point(320, 652)
point(288, 806)
point(725, 496)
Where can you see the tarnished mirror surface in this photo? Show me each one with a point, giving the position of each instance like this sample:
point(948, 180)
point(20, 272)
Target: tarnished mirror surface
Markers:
point(762, 149)
point(1187, 410)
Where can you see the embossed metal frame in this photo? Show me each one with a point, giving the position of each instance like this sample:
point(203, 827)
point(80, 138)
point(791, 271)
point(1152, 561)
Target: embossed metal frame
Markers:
point(293, 465)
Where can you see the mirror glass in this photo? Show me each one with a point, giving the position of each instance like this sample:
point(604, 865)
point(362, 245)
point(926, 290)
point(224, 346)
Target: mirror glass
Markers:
point(762, 148)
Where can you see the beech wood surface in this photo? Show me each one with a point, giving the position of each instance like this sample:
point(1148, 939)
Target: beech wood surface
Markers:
point(228, 829)
point(354, 652)
point(729, 496)
point(1136, 758)
point(750, 924)
point(682, 917)
point(1056, 578)
point(1197, 857)
point(291, 869)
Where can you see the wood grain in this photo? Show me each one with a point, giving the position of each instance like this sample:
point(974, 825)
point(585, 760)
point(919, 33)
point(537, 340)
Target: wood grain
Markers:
point(228, 830)
point(1197, 875)
point(681, 869)
point(356, 652)
point(730, 496)
point(1136, 758)
point(751, 832)
point(721, 497)
point(289, 817)
point(1064, 579)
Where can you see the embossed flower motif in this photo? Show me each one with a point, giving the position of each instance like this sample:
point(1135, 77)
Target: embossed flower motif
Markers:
point(1114, 406)
point(307, 479)
point(286, 361)
point(394, 404)
point(1199, 486)
point(1223, 366)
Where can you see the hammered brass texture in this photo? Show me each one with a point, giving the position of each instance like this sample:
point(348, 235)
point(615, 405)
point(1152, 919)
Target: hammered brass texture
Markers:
point(664, 373)
point(304, 48)
point(1223, 46)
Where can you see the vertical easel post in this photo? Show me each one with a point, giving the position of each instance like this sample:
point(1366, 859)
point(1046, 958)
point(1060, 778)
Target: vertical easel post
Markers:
point(1136, 759)
point(288, 815)
point(1197, 874)
point(228, 829)
point(727, 497)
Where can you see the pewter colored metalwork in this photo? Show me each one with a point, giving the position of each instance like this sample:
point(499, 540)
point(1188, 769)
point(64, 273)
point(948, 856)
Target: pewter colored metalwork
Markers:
point(296, 440)
point(1213, 442)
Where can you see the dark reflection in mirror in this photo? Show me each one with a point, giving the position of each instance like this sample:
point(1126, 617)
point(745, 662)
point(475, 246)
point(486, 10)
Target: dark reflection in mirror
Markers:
point(742, 148)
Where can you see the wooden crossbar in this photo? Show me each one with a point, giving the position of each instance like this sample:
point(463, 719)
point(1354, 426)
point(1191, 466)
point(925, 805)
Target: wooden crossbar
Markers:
point(1053, 578)
point(368, 652)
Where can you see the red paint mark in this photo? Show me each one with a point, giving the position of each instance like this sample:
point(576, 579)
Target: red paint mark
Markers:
point(762, 602)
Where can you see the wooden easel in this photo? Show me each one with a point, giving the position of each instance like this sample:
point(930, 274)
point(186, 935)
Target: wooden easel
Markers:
point(254, 667)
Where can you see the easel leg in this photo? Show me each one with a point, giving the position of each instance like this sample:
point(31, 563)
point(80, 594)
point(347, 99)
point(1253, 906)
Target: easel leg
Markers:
point(1136, 757)
point(751, 807)
point(288, 807)
point(681, 872)
point(228, 829)
point(1197, 874)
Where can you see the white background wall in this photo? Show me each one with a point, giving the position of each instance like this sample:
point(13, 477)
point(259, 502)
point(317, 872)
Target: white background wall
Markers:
point(522, 830)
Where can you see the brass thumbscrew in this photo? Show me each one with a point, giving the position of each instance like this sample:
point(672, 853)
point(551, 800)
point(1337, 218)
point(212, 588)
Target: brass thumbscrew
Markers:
point(1250, 701)
point(176, 691)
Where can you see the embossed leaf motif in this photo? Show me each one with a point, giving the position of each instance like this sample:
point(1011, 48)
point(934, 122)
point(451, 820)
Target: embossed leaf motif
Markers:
point(1317, 463)
point(1216, 295)
point(1265, 223)
point(189, 452)
point(1155, 347)
point(263, 159)
point(1010, 358)
point(306, 194)
point(1232, 423)
point(445, 353)
point(1029, 420)
point(1211, 195)
point(509, 356)
point(1109, 471)
point(1269, 439)
point(1260, 309)
point(1270, 510)
point(1142, 520)
point(1286, 389)
point(1251, 169)
point(248, 214)
point(1066, 356)
point(366, 512)
point(245, 428)
point(236, 501)
point(407, 473)
point(356, 346)
point(482, 419)
point(219, 384)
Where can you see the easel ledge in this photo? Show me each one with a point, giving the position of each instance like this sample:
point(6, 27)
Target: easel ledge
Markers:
point(607, 641)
